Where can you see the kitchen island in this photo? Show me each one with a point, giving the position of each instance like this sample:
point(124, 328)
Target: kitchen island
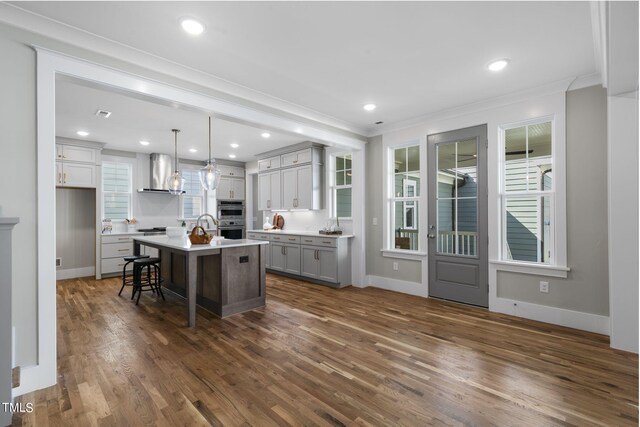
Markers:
point(225, 277)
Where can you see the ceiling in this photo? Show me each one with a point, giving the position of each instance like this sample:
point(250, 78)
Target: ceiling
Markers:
point(409, 58)
point(134, 119)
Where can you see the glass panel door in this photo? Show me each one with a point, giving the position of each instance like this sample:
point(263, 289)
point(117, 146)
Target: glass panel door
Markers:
point(457, 198)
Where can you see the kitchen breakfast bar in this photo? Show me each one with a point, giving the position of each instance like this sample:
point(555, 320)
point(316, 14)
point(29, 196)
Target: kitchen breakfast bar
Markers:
point(225, 276)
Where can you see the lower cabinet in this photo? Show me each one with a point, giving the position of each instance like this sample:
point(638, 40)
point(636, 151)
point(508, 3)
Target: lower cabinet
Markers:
point(319, 263)
point(324, 260)
point(285, 257)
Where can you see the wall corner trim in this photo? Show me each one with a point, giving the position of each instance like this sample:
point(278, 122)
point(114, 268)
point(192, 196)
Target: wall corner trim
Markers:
point(558, 316)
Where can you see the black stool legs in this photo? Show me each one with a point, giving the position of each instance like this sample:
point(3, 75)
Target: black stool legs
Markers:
point(153, 282)
point(128, 260)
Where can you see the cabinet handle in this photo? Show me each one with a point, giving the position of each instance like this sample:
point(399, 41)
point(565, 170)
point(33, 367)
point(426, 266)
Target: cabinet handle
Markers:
point(64, 177)
point(292, 240)
point(318, 254)
point(268, 204)
point(295, 161)
point(285, 249)
point(231, 173)
point(328, 243)
point(120, 265)
point(309, 241)
point(268, 167)
point(59, 178)
point(123, 250)
point(123, 238)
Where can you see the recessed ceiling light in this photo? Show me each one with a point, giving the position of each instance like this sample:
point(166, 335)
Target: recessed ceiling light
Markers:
point(498, 65)
point(232, 156)
point(144, 142)
point(192, 26)
point(82, 133)
point(369, 107)
point(193, 150)
point(265, 134)
point(234, 145)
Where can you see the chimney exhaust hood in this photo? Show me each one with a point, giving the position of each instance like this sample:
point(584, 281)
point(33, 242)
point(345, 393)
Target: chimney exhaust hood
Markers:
point(159, 172)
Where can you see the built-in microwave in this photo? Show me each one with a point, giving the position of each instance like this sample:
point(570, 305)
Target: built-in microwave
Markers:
point(230, 209)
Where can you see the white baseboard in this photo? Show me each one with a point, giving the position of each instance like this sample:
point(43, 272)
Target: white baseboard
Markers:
point(557, 316)
point(32, 378)
point(411, 288)
point(72, 273)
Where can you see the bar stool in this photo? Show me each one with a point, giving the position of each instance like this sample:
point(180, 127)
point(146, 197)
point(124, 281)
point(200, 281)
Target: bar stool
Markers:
point(128, 281)
point(153, 279)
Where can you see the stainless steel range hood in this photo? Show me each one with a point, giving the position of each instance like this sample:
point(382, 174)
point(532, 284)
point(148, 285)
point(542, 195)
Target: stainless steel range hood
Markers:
point(160, 170)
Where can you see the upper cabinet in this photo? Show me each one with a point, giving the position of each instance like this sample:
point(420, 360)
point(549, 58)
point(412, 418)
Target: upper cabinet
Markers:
point(271, 163)
point(298, 157)
point(296, 182)
point(77, 165)
point(231, 171)
point(232, 183)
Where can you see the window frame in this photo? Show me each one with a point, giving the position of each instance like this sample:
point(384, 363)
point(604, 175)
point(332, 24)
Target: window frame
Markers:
point(334, 187)
point(558, 251)
point(130, 166)
point(203, 197)
point(391, 199)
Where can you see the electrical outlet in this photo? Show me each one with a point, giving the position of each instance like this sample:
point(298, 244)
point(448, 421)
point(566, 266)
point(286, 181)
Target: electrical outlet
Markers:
point(375, 221)
point(544, 287)
point(395, 266)
point(58, 262)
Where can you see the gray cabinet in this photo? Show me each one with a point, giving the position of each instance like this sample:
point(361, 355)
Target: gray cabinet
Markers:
point(285, 257)
point(296, 182)
point(269, 191)
point(325, 260)
point(320, 263)
point(230, 189)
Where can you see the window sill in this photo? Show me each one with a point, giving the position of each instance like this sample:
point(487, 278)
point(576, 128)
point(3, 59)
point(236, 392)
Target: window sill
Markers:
point(403, 254)
point(526, 268)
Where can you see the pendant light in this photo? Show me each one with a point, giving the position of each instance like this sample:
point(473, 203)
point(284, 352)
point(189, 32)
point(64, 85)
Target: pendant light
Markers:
point(176, 181)
point(210, 174)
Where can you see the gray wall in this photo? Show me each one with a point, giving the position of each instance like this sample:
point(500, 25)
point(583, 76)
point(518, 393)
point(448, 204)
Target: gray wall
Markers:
point(377, 265)
point(18, 162)
point(76, 227)
point(586, 287)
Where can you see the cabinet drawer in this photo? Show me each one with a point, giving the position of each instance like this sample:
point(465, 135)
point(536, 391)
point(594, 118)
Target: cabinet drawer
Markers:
point(327, 242)
point(117, 239)
point(257, 236)
point(112, 250)
point(290, 239)
point(269, 164)
point(114, 265)
point(277, 238)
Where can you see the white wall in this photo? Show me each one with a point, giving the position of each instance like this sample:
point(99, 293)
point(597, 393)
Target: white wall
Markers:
point(623, 219)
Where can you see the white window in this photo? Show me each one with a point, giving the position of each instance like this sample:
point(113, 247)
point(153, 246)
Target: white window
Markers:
point(116, 190)
point(404, 198)
point(527, 192)
point(192, 201)
point(341, 191)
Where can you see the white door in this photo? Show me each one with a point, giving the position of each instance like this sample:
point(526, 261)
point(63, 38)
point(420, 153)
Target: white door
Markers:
point(304, 188)
point(237, 189)
point(289, 188)
point(223, 192)
point(78, 175)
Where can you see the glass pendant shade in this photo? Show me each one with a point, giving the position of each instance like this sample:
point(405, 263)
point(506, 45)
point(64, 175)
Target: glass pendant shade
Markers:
point(209, 176)
point(175, 183)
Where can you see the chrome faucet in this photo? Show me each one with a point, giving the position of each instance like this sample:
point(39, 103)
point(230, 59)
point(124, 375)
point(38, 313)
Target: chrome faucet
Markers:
point(215, 221)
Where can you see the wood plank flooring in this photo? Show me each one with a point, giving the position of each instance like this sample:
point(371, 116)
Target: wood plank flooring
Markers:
point(320, 356)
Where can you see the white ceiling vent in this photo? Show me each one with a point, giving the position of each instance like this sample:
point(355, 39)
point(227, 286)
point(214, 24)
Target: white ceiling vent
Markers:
point(103, 113)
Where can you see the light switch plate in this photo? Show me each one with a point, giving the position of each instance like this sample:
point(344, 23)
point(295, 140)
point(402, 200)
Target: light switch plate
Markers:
point(375, 221)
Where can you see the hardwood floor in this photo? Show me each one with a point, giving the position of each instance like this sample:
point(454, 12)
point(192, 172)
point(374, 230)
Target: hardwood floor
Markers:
point(320, 356)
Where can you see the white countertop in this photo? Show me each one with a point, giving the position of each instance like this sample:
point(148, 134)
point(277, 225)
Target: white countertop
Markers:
point(303, 233)
point(122, 233)
point(184, 244)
